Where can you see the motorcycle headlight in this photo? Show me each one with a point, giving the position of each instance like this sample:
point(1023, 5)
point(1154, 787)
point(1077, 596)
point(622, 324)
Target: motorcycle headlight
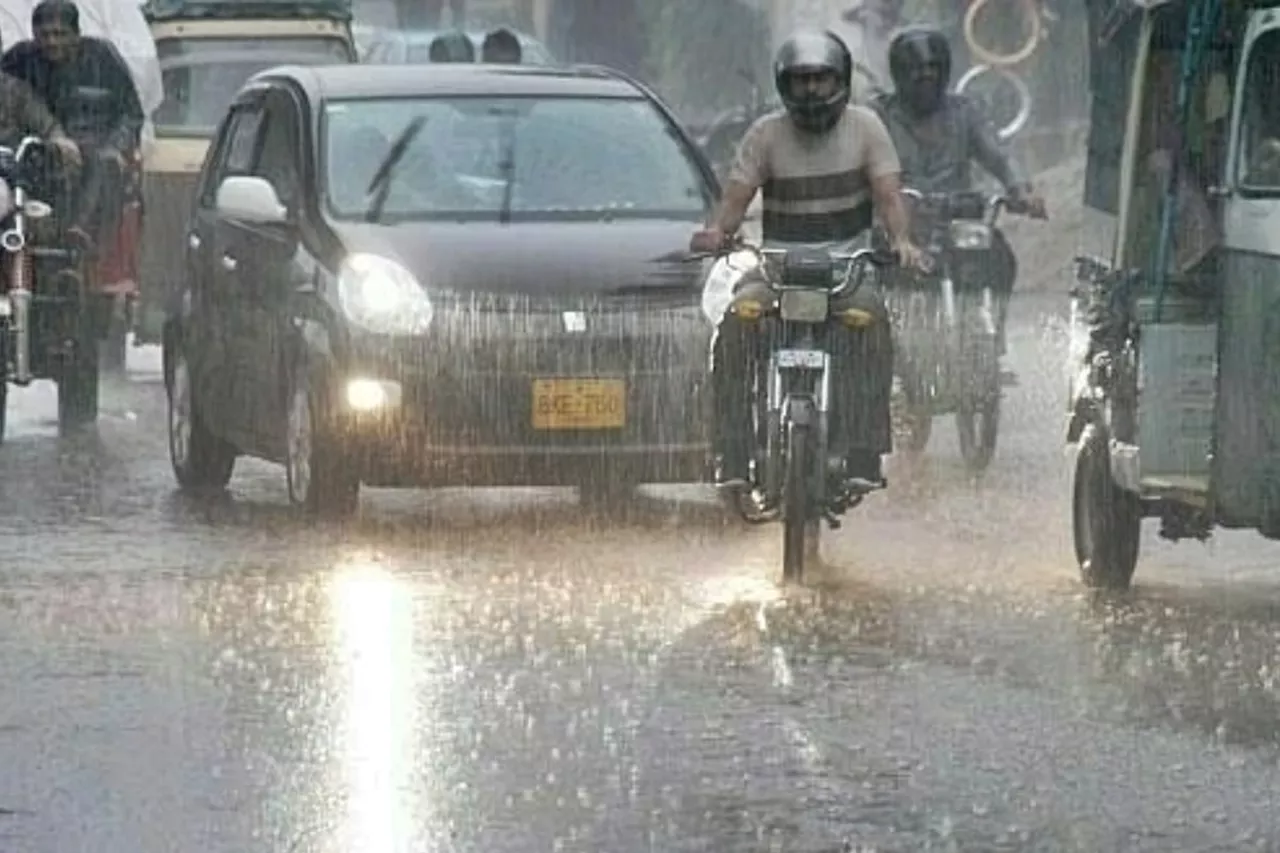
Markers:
point(717, 291)
point(970, 236)
point(382, 296)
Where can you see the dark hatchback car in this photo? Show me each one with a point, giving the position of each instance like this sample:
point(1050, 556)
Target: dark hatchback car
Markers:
point(442, 275)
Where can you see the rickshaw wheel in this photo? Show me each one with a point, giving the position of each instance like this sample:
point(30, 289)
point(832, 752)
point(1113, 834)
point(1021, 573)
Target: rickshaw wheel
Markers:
point(1106, 519)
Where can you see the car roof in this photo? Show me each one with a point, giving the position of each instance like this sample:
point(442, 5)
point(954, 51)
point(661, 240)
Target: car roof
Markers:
point(445, 79)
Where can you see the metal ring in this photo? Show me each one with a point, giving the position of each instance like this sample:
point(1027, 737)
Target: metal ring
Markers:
point(1022, 54)
point(1019, 121)
point(12, 240)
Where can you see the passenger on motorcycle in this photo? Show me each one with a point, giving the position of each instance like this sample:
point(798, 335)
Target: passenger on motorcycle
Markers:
point(87, 86)
point(22, 113)
point(938, 135)
point(820, 164)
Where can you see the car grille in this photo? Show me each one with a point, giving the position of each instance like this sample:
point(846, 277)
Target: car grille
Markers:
point(488, 350)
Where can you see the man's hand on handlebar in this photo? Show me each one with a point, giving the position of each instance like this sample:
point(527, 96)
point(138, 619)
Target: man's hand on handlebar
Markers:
point(69, 150)
point(1029, 203)
point(709, 240)
point(912, 256)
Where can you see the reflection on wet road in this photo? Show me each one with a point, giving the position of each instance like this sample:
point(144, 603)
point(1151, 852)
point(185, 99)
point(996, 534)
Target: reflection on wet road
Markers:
point(506, 671)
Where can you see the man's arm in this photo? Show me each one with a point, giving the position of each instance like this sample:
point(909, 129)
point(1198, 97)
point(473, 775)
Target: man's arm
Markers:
point(128, 109)
point(30, 113)
point(985, 147)
point(884, 170)
point(746, 176)
point(749, 171)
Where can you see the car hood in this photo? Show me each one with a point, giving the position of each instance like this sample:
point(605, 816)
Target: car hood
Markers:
point(575, 259)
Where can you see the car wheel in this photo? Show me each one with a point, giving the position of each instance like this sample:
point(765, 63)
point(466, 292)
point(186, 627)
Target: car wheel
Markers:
point(200, 459)
point(320, 480)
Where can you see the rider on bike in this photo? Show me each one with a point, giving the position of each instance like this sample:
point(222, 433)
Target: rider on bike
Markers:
point(86, 83)
point(820, 164)
point(938, 135)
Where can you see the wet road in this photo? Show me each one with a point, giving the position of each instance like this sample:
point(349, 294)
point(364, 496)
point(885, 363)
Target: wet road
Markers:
point(502, 671)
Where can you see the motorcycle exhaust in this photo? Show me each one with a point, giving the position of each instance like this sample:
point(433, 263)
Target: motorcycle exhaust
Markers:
point(13, 241)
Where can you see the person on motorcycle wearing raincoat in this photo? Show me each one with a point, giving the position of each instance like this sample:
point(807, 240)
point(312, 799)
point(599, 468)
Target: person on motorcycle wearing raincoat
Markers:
point(87, 86)
point(23, 113)
point(938, 135)
point(821, 165)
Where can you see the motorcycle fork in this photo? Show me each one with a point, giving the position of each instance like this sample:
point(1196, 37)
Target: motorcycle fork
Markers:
point(14, 242)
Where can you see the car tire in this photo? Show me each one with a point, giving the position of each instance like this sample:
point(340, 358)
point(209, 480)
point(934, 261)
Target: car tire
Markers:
point(320, 479)
point(200, 459)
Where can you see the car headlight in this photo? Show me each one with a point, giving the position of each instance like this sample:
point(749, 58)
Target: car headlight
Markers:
point(382, 296)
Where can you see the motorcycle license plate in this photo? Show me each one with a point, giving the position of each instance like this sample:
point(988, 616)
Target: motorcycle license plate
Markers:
point(803, 306)
point(810, 359)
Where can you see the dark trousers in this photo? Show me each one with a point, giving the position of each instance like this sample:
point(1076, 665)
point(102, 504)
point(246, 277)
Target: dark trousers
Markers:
point(101, 195)
point(862, 378)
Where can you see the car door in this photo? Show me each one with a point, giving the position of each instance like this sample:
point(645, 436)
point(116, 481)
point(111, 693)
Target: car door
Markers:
point(207, 340)
point(269, 271)
point(225, 276)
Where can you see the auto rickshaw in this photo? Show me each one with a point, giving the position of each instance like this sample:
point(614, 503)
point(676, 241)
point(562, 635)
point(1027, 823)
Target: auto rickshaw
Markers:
point(207, 49)
point(1175, 400)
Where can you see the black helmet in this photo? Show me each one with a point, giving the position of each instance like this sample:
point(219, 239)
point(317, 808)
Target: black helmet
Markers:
point(912, 52)
point(807, 53)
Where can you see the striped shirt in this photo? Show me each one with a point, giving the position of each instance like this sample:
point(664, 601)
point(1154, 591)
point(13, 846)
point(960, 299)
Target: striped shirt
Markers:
point(816, 187)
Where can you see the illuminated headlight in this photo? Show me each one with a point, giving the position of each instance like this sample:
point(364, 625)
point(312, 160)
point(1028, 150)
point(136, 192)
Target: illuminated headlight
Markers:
point(970, 236)
point(383, 297)
point(717, 290)
point(372, 395)
point(6, 307)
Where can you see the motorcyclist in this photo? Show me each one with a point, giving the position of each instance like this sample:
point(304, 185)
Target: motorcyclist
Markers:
point(501, 47)
point(452, 46)
point(87, 86)
point(820, 164)
point(23, 113)
point(938, 135)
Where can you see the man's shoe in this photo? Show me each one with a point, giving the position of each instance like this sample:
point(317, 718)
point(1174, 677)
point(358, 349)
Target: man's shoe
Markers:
point(730, 474)
point(863, 473)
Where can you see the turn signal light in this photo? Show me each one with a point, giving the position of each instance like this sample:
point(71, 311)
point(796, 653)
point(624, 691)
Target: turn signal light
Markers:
point(856, 318)
point(747, 310)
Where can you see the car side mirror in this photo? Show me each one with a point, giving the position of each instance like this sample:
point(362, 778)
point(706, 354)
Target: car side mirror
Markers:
point(251, 199)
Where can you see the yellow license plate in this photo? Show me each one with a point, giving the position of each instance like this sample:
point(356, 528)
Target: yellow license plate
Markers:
point(563, 404)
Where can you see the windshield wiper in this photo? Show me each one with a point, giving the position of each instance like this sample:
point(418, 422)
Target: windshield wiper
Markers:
point(380, 184)
point(508, 167)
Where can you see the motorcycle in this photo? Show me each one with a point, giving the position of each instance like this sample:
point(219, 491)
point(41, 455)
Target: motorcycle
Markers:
point(949, 337)
point(790, 472)
point(47, 330)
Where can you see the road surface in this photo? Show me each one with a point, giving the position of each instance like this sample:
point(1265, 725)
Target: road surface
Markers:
point(503, 671)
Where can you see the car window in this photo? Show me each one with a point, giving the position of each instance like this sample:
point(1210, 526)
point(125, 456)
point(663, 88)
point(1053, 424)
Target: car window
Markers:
point(234, 149)
point(540, 157)
point(279, 161)
point(1258, 159)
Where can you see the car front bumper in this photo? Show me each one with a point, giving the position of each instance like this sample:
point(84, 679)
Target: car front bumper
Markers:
point(531, 395)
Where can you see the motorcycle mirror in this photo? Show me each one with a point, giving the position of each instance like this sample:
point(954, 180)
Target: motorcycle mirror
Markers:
point(35, 209)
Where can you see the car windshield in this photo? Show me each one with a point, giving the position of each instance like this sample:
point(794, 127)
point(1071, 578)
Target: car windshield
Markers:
point(201, 76)
point(534, 157)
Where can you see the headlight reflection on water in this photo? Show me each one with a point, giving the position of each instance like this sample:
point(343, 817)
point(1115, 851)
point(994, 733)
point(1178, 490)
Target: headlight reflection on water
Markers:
point(374, 624)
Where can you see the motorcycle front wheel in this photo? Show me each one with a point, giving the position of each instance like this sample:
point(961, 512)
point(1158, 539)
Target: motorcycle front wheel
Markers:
point(799, 531)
